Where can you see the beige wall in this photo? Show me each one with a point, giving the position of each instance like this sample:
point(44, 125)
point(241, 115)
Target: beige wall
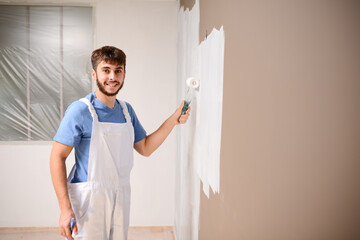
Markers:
point(290, 152)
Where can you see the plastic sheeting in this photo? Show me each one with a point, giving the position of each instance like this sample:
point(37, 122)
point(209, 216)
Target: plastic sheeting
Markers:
point(44, 66)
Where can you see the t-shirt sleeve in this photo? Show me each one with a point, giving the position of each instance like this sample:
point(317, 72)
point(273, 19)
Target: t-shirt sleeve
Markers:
point(71, 127)
point(139, 131)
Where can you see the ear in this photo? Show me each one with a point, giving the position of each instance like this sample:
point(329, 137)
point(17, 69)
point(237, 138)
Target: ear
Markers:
point(93, 74)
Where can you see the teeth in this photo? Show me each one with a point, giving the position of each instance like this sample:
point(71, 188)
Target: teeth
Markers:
point(112, 84)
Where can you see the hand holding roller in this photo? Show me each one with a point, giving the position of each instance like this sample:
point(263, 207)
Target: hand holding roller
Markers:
point(192, 84)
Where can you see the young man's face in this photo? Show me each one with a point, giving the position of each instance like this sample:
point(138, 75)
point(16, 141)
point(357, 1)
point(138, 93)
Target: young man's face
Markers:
point(109, 78)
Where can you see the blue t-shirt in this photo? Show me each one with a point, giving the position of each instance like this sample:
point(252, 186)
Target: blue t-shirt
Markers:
point(76, 127)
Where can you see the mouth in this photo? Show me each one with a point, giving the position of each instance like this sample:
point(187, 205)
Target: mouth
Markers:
point(112, 84)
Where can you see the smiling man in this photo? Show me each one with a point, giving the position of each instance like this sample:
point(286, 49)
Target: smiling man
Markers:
point(104, 131)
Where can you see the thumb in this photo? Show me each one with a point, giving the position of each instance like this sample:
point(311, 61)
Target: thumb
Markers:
point(179, 109)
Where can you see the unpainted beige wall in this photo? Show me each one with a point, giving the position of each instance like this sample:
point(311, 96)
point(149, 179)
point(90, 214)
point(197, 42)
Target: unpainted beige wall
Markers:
point(290, 154)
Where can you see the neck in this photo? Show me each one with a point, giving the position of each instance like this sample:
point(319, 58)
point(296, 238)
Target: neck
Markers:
point(107, 100)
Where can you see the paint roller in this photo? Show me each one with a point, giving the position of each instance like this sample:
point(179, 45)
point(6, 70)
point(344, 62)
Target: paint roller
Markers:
point(192, 84)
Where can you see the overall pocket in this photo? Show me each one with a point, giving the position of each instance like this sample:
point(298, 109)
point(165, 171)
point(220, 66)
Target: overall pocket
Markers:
point(80, 197)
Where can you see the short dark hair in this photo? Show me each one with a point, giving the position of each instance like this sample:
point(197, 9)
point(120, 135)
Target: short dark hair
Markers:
point(108, 54)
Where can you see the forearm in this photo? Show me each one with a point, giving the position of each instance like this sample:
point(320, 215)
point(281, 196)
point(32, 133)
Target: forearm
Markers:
point(59, 154)
point(58, 157)
point(150, 143)
point(154, 140)
point(58, 175)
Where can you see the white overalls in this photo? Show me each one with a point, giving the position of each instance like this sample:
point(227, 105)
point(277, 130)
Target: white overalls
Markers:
point(102, 204)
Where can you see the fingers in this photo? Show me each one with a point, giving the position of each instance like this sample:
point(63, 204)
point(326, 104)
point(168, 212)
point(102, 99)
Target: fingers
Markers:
point(68, 233)
point(182, 104)
point(179, 109)
point(179, 116)
point(183, 118)
point(65, 230)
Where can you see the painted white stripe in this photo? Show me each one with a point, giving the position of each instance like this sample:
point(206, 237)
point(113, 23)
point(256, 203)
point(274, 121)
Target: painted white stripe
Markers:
point(200, 138)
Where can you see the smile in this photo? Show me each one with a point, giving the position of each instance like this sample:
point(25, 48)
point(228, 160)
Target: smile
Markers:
point(112, 84)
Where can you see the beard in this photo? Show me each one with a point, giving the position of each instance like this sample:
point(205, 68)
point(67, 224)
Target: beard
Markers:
point(102, 88)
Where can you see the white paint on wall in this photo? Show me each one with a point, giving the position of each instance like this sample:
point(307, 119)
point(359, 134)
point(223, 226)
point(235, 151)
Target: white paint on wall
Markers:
point(146, 31)
point(207, 139)
point(187, 181)
point(200, 139)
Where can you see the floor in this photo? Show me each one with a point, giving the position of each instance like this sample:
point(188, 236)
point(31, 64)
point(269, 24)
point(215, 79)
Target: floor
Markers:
point(135, 233)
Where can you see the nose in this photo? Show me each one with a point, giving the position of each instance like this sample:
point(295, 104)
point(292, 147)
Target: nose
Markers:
point(112, 75)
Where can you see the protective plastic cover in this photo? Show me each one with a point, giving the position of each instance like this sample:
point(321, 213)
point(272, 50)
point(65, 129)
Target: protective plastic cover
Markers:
point(44, 66)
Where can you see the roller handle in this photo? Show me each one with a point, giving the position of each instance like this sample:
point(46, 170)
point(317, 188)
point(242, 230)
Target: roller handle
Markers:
point(184, 109)
point(72, 223)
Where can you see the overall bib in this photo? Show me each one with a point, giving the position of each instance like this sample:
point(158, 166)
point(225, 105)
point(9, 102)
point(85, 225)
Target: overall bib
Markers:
point(102, 204)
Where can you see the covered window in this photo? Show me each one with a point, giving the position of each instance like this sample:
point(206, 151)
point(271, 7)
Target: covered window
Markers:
point(44, 66)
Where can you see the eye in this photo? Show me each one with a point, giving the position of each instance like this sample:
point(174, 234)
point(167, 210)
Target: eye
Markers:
point(118, 71)
point(105, 70)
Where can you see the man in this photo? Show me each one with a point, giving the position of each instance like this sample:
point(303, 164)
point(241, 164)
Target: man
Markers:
point(104, 132)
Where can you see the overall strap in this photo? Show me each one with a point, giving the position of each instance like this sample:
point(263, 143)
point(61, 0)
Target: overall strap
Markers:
point(91, 108)
point(125, 111)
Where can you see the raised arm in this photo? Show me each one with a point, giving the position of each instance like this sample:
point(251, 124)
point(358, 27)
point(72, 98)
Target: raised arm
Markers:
point(59, 153)
point(151, 142)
